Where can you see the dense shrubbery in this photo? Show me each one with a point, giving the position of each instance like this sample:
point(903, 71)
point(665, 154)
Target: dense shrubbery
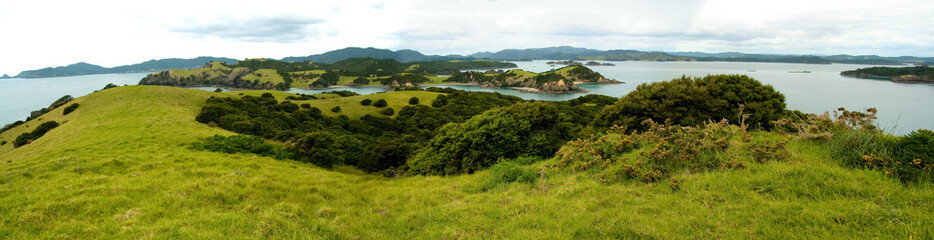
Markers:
point(387, 112)
point(11, 126)
point(336, 109)
point(366, 102)
point(413, 101)
point(694, 101)
point(524, 129)
point(70, 108)
point(57, 103)
point(372, 143)
point(243, 144)
point(28, 137)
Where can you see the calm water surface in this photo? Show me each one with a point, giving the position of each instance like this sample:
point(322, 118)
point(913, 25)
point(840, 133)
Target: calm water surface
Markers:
point(902, 107)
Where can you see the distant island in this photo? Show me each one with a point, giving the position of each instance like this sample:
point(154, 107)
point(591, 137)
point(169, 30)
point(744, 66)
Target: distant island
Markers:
point(917, 74)
point(5, 76)
point(272, 74)
point(148, 66)
point(575, 63)
point(570, 54)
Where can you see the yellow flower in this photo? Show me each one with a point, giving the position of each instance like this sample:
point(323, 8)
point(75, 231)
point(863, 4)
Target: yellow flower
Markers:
point(866, 158)
point(888, 173)
point(917, 161)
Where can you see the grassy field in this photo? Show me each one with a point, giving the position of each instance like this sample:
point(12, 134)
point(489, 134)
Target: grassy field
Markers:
point(119, 168)
point(264, 75)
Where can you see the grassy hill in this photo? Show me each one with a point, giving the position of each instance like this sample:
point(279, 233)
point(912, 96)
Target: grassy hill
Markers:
point(118, 167)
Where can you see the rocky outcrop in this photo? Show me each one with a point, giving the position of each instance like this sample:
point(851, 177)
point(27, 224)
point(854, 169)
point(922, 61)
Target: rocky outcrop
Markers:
point(912, 79)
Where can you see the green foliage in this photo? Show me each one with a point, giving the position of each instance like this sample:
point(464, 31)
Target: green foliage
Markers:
point(342, 93)
point(218, 90)
point(326, 149)
point(387, 111)
point(366, 102)
point(380, 103)
point(524, 129)
point(336, 109)
point(57, 103)
point(301, 96)
point(413, 101)
point(402, 79)
point(243, 144)
point(888, 72)
point(2, 143)
point(507, 172)
point(70, 108)
point(694, 101)
point(28, 137)
point(11, 126)
point(662, 151)
point(109, 86)
point(360, 81)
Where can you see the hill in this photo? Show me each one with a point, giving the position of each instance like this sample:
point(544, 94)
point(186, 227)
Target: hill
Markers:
point(917, 74)
point(148, 66)
point(120, 166)
point(404, 55)
point(272, 74)
point(561, 80)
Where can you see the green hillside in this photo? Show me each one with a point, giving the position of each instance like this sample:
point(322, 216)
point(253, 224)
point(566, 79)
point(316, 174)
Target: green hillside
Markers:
point(120, 167)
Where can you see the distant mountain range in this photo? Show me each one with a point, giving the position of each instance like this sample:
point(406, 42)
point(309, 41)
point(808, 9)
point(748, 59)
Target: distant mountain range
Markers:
point(549, 53)
point(82, 68)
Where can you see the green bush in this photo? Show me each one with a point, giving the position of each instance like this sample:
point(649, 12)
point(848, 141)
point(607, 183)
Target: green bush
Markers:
point(336, 109)
point(380, 103)
point(366, 102)
point(70, 108)
point(28, 137)
point(243, 144)
point(306, 105)
point(2, 143)
point(694, 101)
point(267, 95)
point(387, 111)
point(508, 172)
point(327, 150)
point(413, 101)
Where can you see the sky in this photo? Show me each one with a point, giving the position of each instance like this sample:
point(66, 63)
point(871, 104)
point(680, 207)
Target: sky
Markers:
point(39, 33)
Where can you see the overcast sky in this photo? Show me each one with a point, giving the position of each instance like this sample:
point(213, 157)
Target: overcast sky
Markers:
point(39, 33)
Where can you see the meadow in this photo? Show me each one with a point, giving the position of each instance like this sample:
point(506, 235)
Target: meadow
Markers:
point(121, 166)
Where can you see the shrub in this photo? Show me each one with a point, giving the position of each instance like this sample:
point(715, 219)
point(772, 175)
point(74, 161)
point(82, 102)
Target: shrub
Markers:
point(380, 103)
point(366, 102)
point(69, 109)
point(508, 172)
point(693, 101)
point(326, 149)
point(109, 86)
point(11, 126)
point(2, 143)
point(336, 109)
point(306, 105)
point(387, 111)
point(267, 95)
point(28, 137)
point(218, 90)
point(243, 144)
point(413, 101)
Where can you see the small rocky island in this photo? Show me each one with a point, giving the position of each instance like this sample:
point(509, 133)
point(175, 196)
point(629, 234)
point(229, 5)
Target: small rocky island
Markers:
point(917, 74)
point(563, 80)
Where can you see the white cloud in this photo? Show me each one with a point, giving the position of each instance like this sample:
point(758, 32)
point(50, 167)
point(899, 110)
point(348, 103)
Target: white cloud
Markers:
point(38, 34)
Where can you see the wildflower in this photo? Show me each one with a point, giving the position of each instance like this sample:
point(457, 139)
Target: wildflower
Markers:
point(917, 161)
point(888, 173)
point(866, 158)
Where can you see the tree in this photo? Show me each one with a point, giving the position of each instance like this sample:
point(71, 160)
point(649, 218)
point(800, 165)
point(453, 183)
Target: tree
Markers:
point(366, 102)
point(692, 101)
point(380, 103)
point(336, 109)
point(413, 101)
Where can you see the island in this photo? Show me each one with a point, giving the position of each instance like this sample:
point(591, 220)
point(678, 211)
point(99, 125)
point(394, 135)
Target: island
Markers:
point(5, 76)
point(563, 80)
point(278, 75)
point(916, 74)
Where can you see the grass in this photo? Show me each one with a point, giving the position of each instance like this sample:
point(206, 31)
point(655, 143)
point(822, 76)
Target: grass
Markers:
point(119, 168)
point(264, 75)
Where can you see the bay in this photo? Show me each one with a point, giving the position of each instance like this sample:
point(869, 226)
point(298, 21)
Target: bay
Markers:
point(902, 107)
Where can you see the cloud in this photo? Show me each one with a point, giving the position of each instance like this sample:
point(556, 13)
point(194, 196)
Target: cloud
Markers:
point(280, 29)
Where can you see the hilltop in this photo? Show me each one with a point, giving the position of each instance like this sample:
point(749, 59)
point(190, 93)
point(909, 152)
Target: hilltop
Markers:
point(121, 166)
